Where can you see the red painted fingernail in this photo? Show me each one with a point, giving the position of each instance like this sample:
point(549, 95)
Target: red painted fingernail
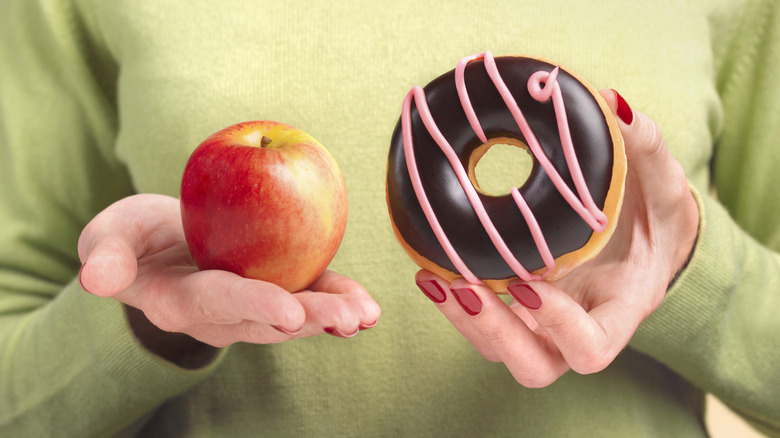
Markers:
point(285, 331)
point(335, 332)
point(623, 110)
point(468, 300)
point(80, 282)
point(432, 290)
point(523, 294)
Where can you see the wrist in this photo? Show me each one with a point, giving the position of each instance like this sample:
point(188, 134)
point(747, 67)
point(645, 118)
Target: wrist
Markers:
point(688, 236)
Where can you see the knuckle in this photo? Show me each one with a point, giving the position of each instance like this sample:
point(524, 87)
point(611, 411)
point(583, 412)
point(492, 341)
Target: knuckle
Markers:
point(343, 316)
point(648, 129)
point(650, 132)
point(207, 313)
point(368, 307)
point(167, 317)
point(249, 333)
point(655, 138)
point(256, 333)
point(559, 325)
point(292, 316)
point(523, 365)
point(497, 345)
point(592, 362)
point(209, 300)
point(646, 139)
point(287, 312)
point(539, 379)
point(496, 336)
point(201, 310)
point(557, 322)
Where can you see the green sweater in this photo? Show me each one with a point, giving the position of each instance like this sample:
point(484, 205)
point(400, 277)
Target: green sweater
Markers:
point(99, 100)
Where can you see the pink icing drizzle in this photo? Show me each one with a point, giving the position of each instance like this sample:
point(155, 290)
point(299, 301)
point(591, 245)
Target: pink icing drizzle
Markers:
point(583, 205)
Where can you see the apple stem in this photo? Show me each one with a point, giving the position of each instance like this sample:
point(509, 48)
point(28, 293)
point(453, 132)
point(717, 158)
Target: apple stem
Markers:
point(265, 141)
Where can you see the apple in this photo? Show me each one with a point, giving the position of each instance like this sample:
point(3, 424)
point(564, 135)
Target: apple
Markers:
point(264, 200)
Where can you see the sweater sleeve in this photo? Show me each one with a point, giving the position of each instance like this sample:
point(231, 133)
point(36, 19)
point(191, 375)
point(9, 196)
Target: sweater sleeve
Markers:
point(718, 325)
point(69, 364)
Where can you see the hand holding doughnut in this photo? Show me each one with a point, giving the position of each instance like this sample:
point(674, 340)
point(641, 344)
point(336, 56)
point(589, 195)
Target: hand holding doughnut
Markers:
point(584, 320)
point(134, 251)
point(561, 217)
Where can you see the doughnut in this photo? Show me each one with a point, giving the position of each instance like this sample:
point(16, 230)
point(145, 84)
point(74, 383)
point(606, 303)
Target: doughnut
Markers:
point(563, 214)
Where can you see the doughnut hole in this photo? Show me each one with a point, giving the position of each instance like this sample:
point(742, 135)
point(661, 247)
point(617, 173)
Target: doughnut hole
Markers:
point(500, 164)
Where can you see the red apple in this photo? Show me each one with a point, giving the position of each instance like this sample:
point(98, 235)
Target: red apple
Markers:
point(264, 200)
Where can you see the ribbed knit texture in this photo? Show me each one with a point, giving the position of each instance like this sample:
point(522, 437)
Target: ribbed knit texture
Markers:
point(99, 100)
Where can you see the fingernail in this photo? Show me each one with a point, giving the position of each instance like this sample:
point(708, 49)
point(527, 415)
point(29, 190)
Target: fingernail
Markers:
point(80, 282)
point(623, 110)
point(523, 294)
point(432, 290)
point(334, 332)
point(468, 300)
point(285, 331)
point(368, 326)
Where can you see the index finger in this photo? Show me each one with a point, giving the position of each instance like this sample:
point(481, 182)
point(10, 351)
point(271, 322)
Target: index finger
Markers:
point(176, 302)
point(351, 292)
point(588, 340)
point(499, 333)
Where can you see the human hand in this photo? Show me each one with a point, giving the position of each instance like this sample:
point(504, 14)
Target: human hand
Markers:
point(134, 251)
point(584, 320)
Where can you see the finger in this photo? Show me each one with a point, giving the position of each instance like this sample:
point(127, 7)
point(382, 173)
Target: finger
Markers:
point(588, 341)
point(438, 291)
point(110, 245)
point(531, 360)
point(336, 314)
point(352, 293)
point(656, 181)
point(246, 331)
point(179, 302)
point(498, 333)
point(221, 308)
point(645, 148)
point(335, 304)
point(333, 314)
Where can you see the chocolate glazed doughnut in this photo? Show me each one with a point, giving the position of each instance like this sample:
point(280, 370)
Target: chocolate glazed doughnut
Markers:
point(562, 216)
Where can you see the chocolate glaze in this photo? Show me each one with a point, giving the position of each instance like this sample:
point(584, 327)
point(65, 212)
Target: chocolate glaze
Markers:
point(564, 230)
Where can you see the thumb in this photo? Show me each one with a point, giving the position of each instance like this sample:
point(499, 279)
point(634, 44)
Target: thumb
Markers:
point(111, 244)
point(109, 265)
point(645, 148)
point(654, 172)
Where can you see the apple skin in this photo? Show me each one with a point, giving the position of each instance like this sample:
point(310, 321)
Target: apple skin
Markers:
point(274, 212)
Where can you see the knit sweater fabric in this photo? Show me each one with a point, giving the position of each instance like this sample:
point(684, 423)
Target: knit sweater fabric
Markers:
point(101, 100)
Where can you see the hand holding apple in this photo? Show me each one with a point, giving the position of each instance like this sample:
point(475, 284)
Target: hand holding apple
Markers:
point(134, 252)
point(276, 211)
point(266, 201)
